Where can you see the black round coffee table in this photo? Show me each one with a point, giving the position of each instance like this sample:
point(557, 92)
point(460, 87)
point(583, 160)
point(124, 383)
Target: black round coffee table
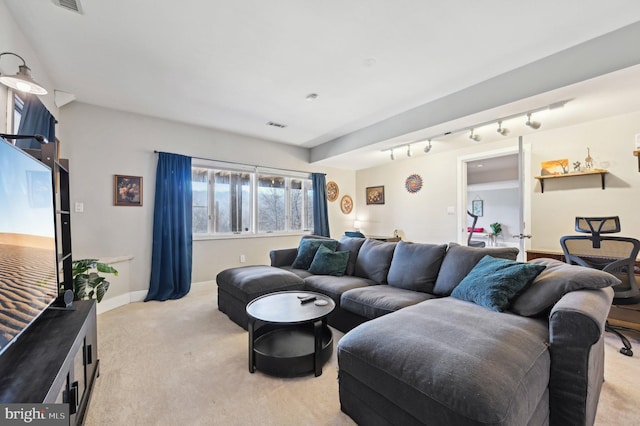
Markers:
point(288, 337)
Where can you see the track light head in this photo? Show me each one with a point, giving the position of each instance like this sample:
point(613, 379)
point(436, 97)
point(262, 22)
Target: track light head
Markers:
point(392, 155)
point(502, 130)
point(409, 153)
point(428, 147)
point(535, 125)
point(474, 137)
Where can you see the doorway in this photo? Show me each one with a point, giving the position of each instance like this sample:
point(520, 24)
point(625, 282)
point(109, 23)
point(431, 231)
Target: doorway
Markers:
point(492, 183)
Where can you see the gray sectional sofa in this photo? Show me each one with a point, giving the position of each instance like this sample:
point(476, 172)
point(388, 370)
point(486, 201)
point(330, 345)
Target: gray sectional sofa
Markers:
point(424, 344)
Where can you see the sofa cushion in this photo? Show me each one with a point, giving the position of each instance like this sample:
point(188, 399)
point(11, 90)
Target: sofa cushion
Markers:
point(494, 282)
point(374, 260)
point(248, 282)
point(307, 250)
point(555, 281)
point(329, 262)
point(375, 301)
point(451, 362)
point(459, 260)
point(334, 286)
point(415, 266)
point(352, 245)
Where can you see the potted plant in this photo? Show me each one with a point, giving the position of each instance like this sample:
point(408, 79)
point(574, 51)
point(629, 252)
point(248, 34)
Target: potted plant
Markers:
point(496, 229)
point(88, 284)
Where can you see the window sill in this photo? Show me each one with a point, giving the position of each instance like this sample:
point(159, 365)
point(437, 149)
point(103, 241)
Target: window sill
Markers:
point(201, 237)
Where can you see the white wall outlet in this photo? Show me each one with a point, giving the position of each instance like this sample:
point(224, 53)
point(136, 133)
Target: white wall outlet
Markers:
point(243, 258)
point(79, 207)
point(451, 210)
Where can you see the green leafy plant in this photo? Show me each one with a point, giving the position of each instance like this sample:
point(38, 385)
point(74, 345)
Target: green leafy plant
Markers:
point(496, 229)
point(87, 283)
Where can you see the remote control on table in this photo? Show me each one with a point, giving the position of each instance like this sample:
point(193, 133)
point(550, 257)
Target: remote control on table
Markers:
point(307, 299)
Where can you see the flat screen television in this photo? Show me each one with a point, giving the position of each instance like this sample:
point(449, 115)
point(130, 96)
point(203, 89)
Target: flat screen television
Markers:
point(28, 261)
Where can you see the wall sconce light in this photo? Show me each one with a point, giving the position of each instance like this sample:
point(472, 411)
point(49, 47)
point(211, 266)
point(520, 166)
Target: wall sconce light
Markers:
point(502, 130)
point(474, 137)
point(535, 125)
point(392, 155)
point(22, 81)
point(428, 147)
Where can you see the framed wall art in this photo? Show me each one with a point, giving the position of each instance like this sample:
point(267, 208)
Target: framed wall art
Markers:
point(375, 195)
point(332, 191)
point(127, 190)
point(477, 207)
point(346, 204)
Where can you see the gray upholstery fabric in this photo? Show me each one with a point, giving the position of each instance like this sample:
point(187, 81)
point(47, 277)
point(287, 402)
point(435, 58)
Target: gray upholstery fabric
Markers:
point(375, 301)
point(302, 273)
point(334, 286)
point(283, 257)
point(352, 245)
point(248, 282)
point(452, 363)
point(374, 260)
point(459, 260)
point(555, 281)
point(576, 323)
point(416, 266)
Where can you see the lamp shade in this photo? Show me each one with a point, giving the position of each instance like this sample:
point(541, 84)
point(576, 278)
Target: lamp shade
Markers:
point(23, 81)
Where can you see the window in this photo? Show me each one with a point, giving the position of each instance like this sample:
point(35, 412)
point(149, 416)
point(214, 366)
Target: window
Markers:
point(248, 200)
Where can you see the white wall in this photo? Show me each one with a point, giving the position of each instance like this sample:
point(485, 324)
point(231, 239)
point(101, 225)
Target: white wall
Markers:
point(422, 217)
point(499, 205)
point(102, 142)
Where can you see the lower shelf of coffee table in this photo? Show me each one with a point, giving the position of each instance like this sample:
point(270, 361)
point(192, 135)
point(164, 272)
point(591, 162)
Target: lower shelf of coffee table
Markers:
point(288, 350)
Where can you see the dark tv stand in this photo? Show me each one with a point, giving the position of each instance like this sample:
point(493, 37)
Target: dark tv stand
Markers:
point(55, 360)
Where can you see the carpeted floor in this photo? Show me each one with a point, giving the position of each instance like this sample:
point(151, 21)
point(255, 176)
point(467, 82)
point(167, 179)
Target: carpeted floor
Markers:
point(183, 362)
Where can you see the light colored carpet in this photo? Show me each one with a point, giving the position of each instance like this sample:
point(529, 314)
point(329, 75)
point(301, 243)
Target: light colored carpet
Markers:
point(183, 362)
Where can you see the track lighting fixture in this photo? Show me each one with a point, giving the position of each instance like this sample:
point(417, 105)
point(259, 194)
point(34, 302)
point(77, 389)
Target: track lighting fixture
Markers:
point(409, 153)
point(502, 130)
point(533, 124)
point(392, 155)
point(474, 137)
point(428, 147)
point(22, 81)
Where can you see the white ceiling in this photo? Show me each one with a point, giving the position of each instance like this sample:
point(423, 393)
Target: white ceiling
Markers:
point(236, 65)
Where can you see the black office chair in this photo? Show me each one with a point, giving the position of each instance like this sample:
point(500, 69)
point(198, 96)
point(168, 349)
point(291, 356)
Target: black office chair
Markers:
point(616, 255)
point(475, 243)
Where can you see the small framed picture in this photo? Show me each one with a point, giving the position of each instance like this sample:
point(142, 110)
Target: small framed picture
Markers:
point(477, 207)
point(127, 190)
point(375, 195)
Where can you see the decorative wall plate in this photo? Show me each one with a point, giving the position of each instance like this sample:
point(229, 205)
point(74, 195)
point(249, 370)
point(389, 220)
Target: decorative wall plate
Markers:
point(332, 191)
point(413, 183)
point(346, 204)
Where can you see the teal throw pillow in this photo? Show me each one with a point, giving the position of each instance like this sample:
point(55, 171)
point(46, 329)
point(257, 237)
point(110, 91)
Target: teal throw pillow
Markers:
point(494, 282)
point(329, 262)
point(307, 250)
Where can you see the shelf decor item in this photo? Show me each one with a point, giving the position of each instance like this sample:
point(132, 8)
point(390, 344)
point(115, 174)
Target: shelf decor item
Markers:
point(375, 195)
point(413, 183)
point(127, 190)
point(332, 191)
point(554, 167)
point(346, 204)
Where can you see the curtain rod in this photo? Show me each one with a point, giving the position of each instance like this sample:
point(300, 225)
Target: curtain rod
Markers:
point(239, 164)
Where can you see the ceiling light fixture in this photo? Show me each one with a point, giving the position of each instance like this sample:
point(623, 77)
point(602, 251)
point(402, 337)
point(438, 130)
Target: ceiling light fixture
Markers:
point(22, 81)
point(474, 137)
point(311, 97)
point(392, 156)
point(535, 125)
point(428, 147)
point(502, 130)
point(409, 153)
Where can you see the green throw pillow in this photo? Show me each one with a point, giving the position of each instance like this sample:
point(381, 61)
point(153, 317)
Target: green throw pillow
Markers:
point(307, 249)
point(493, 282)
point(328, 262)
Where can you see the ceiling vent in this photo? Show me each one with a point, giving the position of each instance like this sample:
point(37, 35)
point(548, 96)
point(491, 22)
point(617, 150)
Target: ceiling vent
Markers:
point(72, 5)
point(274, 124)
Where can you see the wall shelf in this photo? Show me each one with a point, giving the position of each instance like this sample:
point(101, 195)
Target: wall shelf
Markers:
point(601, 172)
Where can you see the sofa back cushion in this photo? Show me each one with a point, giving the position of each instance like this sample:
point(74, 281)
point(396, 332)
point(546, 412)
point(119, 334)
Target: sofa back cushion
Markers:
point(307, 250)
point(352, 245)
point(374, 260)
point(460, 260)
point(416, 266)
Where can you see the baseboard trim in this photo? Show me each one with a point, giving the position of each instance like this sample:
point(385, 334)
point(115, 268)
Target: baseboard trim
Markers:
point(134, 296)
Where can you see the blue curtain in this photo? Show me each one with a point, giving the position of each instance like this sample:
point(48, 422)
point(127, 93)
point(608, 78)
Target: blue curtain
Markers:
point(320, 215)
point(171, 254)
point(36, 120)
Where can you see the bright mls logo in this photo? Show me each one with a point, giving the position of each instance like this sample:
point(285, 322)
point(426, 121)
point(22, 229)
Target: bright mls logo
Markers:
point(34, 414)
